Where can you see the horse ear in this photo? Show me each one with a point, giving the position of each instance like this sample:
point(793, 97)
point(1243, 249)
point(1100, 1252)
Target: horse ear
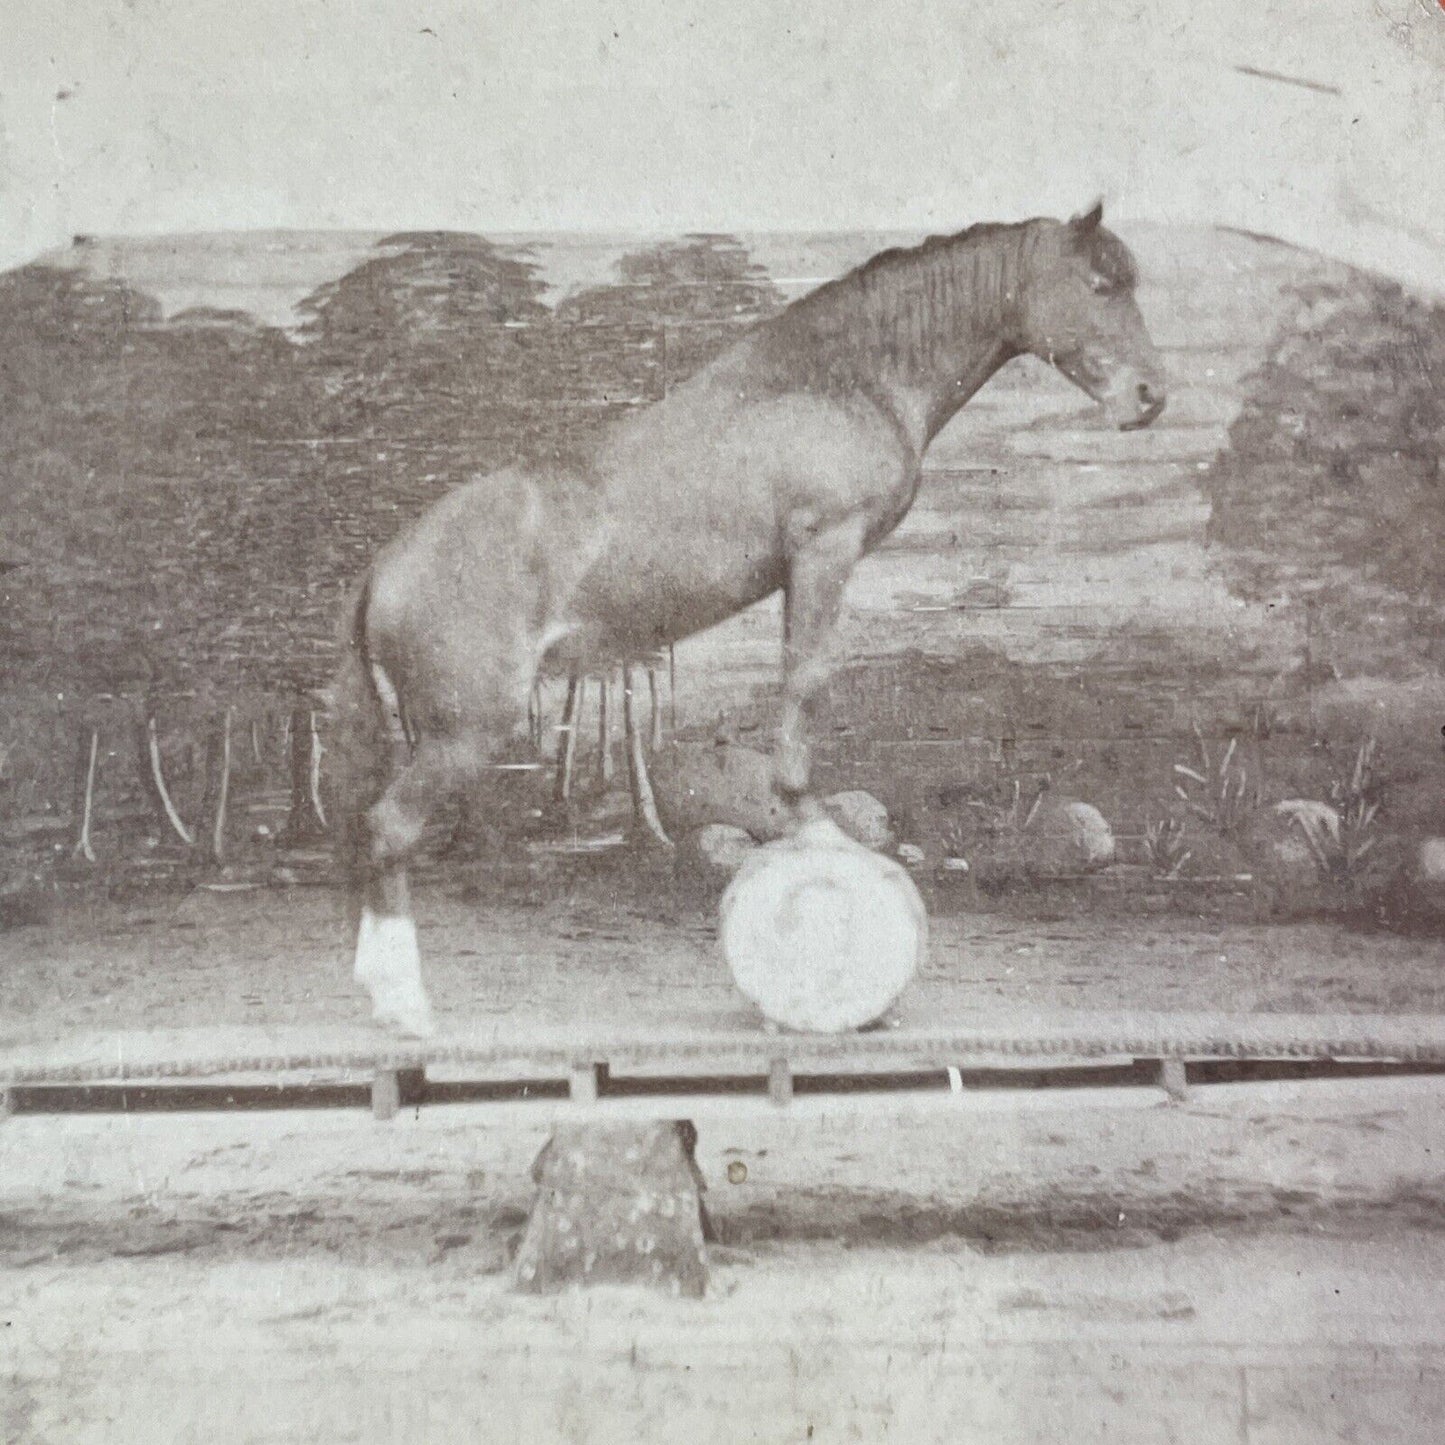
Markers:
point(1087, 222)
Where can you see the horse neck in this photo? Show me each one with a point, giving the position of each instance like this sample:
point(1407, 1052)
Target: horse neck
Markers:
point(943, 324)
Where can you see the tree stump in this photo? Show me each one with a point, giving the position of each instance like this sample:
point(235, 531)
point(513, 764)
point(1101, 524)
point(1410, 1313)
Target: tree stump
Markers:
point(87, 766)
point(567, 738)
point(155, 778)
point(617, 1203)
point(219, 766)
point(307, 818)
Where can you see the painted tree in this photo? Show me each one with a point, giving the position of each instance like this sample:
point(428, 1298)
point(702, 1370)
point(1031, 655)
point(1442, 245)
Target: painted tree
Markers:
point(700, 290)
point(1331, 489)
point(432, 327)
point(127, 460)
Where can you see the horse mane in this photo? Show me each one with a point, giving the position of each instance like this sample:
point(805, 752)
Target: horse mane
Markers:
point(929, 246)
point(904, 304)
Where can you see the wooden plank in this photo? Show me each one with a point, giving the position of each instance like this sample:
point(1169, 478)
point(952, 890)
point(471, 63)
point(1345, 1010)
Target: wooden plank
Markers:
point(393, 1088)
point(882, 1104)
point(1174, 1078)
point(1342, 1095)
point(733, 1044)
point(727, 1104)
point(385, 1094)
point(583, 1080)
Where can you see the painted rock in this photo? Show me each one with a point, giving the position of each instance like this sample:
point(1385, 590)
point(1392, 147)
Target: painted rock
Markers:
point(697, 785)
point(717, 850)
point(862, 817)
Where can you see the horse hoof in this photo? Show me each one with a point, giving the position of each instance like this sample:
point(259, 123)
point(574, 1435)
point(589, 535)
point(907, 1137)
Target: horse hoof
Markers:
point(801, 809)
point(388, 966)
point(411, 1020)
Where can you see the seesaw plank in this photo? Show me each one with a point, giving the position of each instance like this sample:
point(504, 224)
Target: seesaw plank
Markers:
point(507, 1049)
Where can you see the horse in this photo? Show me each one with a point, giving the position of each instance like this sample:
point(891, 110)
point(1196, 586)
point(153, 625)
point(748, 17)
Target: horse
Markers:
point(776, 467)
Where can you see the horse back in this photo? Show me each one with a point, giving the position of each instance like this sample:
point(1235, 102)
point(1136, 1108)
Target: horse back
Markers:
point(707, 493)
point(679, 517)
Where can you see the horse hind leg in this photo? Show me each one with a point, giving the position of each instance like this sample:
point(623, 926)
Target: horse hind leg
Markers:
point(361, 765)
point(363, 774)
point(388, 958)
point(388, 961)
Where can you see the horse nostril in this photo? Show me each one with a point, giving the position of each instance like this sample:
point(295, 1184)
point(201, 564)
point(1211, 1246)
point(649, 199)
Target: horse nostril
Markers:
point(1148, 403)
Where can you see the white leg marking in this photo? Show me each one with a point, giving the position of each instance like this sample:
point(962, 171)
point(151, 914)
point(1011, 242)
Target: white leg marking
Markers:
point(388, 965)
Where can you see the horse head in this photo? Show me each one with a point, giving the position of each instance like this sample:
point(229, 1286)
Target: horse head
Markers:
point(1078, 312)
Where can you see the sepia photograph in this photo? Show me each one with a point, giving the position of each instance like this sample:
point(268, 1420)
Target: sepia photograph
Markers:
point(722, 722)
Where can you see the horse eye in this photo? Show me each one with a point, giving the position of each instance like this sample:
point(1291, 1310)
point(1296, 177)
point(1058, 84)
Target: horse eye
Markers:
point(1100, 285)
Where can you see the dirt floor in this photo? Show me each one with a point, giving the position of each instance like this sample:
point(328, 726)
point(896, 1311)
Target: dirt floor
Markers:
point(619, 947)
point(1258, 1265)
point(1261, 1269)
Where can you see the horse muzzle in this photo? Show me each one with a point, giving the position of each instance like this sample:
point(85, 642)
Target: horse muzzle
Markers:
point(1132, 398)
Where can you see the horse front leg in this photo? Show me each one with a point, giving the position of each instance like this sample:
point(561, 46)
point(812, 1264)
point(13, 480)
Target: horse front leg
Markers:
point(821, 564)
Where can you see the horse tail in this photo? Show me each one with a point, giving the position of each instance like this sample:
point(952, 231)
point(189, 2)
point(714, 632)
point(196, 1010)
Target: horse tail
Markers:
point(360, 751)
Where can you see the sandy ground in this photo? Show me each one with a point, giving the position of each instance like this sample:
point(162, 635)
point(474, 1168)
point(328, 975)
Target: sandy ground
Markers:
point(617, 949)
point(1259, 1266)
point(1265, 1268)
